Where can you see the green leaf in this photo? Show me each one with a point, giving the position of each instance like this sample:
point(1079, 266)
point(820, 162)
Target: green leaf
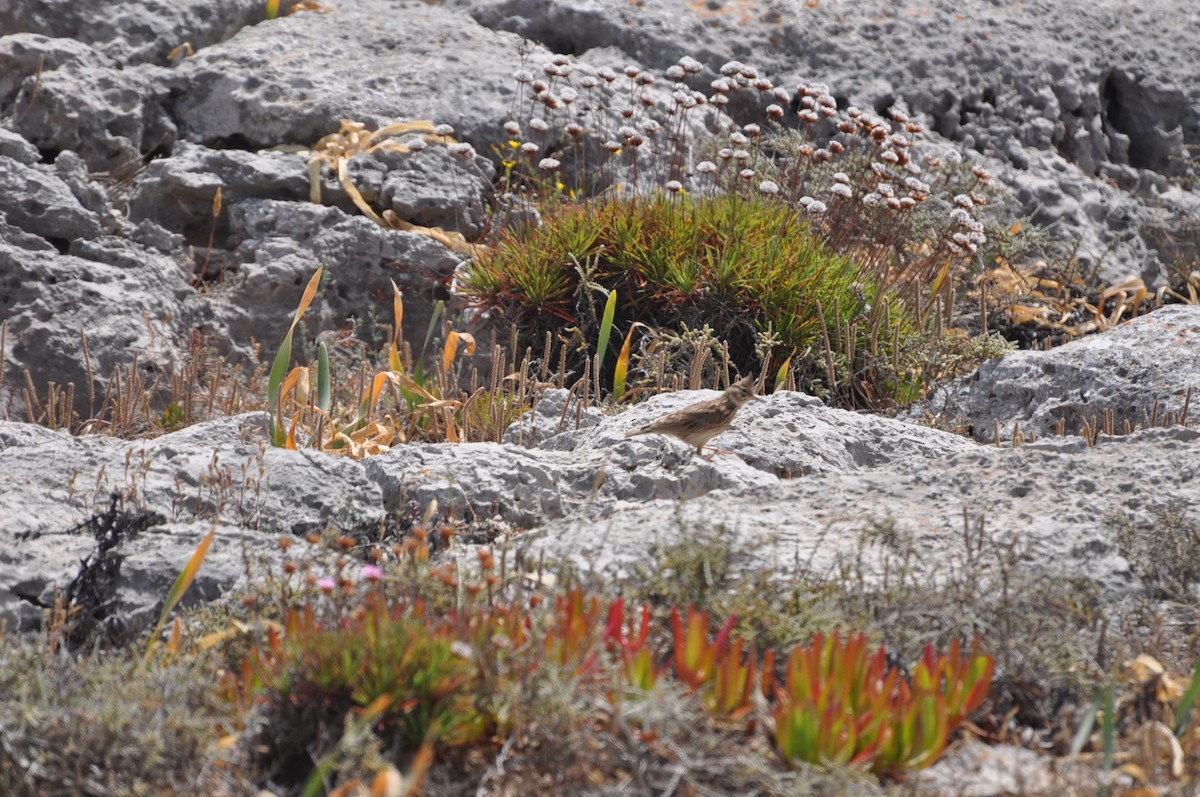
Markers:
point(182, 582)
point(1183, 711)
point(323, 392)
point(606, 323)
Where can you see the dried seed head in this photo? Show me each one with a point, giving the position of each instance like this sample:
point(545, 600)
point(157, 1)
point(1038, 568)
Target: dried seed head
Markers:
point(749, 72)
point(706, 167)
point(539, 86)
point(842, 190)
point(528, 149)
point(720, 85)
point(885, 189)
point(899, 140)
point(574, 129)
point(847, 127)
point(978, 199)
point(731, 68)
point(589, 82)
point(809, 116)
point(627, 113)
point(841, 177)
point(443, 130)
point(893, 203)
point(568, 95)
point(762, 84)
point(954, 157)
point(738, 140)
point(888, 156)
point(512, 128)
point(768, 187)
point(817, 207)
point(822, 155)
point(872, 200)
point(631, 71)
point(549, 164)
point(646, 100)
point(836, 147)
point(752, 130)
point(914, 127)
point(550, 69)
point(774, 111)
point(982, 174)
point(612, 146)
point(561, 60)
point(719, 100)
point(539, 125)
point(781, 94)
point(691, 65)
point(964, 201)
point(907, 203)
point(676, 73)
point(550, 100)
point(650, 126)
point(674, 186)
point(746, 174)
point(523, 76)
point(741, 155)
point(725, 153)
point(898, 116)
point(606, 74)
point(645, 79)
point(805, 201)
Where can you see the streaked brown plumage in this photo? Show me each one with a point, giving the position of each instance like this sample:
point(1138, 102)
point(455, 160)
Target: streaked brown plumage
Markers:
point(700, 422)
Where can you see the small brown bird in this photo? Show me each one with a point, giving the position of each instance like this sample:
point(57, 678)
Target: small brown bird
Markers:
point(698, 423)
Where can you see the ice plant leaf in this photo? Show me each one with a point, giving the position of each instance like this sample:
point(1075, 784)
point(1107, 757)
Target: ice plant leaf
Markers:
point(324, 398)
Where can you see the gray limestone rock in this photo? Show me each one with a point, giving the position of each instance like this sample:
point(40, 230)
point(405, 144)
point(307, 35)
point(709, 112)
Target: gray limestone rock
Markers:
point(37, 200)
point(1139, 372)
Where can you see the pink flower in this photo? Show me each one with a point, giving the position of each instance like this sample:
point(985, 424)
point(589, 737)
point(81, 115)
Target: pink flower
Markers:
point(326, 585)
point(372, 573)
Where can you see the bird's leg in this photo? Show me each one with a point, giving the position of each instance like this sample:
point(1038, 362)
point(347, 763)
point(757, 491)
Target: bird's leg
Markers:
point(714, 451)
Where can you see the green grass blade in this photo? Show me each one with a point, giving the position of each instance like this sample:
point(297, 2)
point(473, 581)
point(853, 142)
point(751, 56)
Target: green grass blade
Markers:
point(279, 367)
point(324, 398)
point(184, 580)
point(1107, 733)
point(1183, 712)
point(1085, 730)
point(419, 370)
point(606, 323)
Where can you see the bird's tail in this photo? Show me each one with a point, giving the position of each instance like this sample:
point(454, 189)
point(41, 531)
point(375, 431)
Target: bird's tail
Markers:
point(635, 432)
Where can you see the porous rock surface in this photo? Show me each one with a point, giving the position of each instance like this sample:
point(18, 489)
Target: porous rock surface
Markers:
point(114, 144)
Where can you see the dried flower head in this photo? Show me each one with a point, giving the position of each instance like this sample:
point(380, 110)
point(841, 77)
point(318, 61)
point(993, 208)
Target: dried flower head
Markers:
point(443, 130)
point(631, 71)
point(512, 128)
point(645, 79)
point(612, 146)
point(964, 201)
point(529, 149)
point(774, 111)
point(606, 74)
point(746, 174)
point(589, 82)
point(539, 125)
point(676, 73)
point(762, 84)
point(463, 151)
point(650, 126)
point(752, 130)
point(539, 86)
point(549, 164)
point(568, 95)
point(674, 186)
point(574, 129)
point(719, 100)
point(706, 167)
point(691, 65)
point(768, 187)
point(561, 60)
point(741, 155)
point(731, 68)
point(523, 76)
point(817, 207)
point(725, 153)
point(842, 190)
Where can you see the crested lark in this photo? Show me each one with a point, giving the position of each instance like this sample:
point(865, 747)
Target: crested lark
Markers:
point(698, 423)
